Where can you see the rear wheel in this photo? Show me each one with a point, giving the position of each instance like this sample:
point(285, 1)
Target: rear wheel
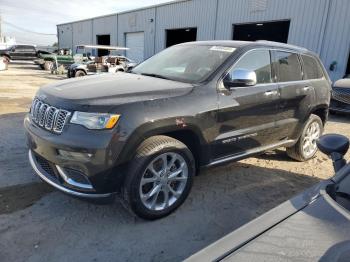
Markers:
point(48, 65)
point(306, 147)
point(80, 73)
point(159, 178)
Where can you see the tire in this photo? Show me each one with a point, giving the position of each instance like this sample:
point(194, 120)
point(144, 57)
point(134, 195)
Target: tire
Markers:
point(150, 154)
point(48, 65)
point(300, 150)
point(80, 73)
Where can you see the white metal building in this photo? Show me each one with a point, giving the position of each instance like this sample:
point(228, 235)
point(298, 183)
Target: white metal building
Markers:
point(322, 26)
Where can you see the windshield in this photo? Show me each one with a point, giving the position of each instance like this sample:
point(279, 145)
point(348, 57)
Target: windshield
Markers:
point(186, 63)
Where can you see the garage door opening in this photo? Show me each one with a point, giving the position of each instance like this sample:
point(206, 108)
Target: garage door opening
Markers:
point(103, 40)
point(272, 31)
point(178, 36)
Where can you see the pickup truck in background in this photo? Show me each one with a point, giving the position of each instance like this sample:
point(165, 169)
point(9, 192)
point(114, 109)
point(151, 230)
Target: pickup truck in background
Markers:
point(21, 52)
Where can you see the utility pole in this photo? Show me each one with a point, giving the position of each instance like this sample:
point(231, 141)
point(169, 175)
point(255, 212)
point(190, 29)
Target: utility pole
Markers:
point(0, 29)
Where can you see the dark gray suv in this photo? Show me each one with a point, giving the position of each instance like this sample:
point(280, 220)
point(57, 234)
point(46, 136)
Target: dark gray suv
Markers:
point(145, 133)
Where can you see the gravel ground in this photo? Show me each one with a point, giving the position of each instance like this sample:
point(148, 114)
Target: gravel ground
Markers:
point(41, 224)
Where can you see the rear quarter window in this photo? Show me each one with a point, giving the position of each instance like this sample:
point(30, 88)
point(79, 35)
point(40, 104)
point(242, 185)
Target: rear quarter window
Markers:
point(312, 68)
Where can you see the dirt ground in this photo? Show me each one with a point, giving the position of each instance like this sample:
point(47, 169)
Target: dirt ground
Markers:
point(38, 223)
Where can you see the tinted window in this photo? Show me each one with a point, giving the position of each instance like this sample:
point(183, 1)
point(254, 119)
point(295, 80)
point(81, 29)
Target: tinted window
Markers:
point(312, 68)
point(257, 61)
point(287, 67)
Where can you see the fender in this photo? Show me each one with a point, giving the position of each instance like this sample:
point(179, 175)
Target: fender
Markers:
point(160, 127)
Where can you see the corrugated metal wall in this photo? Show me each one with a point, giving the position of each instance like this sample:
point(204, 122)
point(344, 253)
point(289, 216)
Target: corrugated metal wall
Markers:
point(82, 33)
point(336, 42)
point(139, 21)
point(106, 25)
point(194, 13)
point(65, 35)
point(306, 18)
point(319, 25)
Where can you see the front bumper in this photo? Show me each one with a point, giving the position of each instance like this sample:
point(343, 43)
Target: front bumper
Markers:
point(44, 175)
point(78, 161)
point(339, 106)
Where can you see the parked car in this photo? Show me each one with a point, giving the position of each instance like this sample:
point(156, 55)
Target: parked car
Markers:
point(146, 133)
point(102, 64)
point(61, 57)
point(21, 52)
point(340, 101)
point(313, 226)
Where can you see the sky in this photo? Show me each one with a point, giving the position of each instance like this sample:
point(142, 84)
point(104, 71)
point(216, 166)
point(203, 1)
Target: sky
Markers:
point(43, 16)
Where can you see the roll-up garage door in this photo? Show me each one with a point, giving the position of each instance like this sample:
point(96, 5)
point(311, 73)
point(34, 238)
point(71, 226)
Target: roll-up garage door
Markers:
point(135, 42)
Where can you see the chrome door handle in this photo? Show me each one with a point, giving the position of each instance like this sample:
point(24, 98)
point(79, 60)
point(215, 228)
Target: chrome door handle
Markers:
point(271, 93)
point(306, 88)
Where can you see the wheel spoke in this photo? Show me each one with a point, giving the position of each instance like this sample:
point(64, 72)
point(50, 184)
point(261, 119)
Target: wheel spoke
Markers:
point(154, 200)
point(173, 192)
point(153, 191)
point(148, 180)
point(175, 173)
point(172, 161)
point(166, 197)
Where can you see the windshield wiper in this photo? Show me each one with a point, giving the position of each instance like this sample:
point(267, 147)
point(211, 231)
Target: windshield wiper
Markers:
point(155, 75)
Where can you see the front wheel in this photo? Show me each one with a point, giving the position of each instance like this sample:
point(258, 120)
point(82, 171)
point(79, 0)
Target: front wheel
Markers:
point(306, 147)
point(159, 178)
point(80, 73)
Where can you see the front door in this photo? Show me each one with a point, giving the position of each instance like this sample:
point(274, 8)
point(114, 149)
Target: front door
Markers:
point(246, 116)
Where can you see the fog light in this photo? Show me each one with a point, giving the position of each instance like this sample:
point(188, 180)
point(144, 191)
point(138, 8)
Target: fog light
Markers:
point(75, 155)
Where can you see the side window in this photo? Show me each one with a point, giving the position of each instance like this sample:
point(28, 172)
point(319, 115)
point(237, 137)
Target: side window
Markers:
point(312, 68)
point(287, 66)
point(257, 61)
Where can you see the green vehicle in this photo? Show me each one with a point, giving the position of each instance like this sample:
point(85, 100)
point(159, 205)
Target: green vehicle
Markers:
point(57, 58)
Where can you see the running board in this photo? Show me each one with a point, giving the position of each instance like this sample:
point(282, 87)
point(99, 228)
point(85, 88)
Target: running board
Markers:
point(251, 152)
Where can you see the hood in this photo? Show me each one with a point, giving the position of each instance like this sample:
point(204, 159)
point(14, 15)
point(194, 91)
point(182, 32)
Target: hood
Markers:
point(342, 83)
point(110, 89)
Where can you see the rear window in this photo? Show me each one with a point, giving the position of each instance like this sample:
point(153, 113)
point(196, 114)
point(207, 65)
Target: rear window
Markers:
point(312, 68)
point(287, 66)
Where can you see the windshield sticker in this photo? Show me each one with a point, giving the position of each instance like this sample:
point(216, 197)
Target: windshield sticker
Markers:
point(223, 49)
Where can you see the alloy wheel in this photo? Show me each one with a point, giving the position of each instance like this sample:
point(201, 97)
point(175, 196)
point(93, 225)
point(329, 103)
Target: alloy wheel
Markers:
point(313, 132)
point(163, 181)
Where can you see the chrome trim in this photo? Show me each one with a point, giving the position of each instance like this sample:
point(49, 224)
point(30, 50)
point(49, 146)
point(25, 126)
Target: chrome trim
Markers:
point(41, 174)
point(239, 156)
point(70, 181)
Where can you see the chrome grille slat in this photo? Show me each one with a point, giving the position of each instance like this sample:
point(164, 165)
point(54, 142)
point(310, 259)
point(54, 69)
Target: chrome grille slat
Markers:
point(49, 117)
point(341, 94)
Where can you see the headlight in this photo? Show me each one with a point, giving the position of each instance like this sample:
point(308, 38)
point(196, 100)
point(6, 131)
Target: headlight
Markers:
point(95, 120)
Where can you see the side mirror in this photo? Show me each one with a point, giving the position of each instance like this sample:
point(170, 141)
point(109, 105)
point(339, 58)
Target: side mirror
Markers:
point(240, 78)
point(335, 146)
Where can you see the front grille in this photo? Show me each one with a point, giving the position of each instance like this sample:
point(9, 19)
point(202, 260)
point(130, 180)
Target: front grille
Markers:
point(341, 94)
point(49, 117)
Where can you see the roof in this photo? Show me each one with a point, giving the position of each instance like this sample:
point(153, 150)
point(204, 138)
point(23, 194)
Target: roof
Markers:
point(262, 43)
point(127, 11)
point(106, 47)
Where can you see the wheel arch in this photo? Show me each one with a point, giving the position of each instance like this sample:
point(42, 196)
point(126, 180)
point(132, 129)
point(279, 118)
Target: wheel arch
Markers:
point(322, 112)
point(190, 136)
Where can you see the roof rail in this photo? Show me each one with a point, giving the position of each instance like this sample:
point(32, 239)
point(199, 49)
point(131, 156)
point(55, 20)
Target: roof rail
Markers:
point(281, 44)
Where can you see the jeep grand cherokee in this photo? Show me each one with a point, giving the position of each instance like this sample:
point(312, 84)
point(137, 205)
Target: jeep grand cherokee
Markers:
point(144, 134)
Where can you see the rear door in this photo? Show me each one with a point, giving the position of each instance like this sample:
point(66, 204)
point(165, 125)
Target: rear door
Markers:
point(297, 94)
point(246, 116)
point(15, 53)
